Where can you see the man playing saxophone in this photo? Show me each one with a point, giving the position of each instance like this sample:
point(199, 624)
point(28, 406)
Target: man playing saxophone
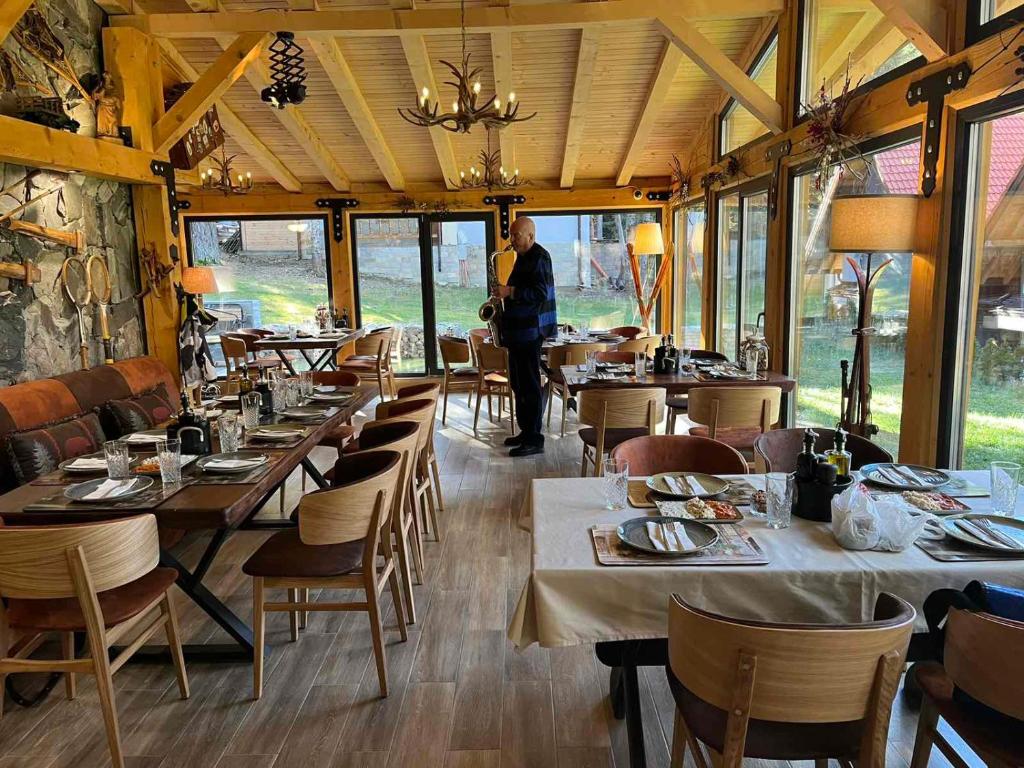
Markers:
point(528, 318)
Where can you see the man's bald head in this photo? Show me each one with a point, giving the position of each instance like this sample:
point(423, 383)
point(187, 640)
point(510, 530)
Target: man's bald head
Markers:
point(523, 234)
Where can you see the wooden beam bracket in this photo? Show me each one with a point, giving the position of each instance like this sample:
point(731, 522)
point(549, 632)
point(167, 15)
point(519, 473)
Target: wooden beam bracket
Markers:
point(505, 203)
point(166, 172)
point(933, 90)
point(774, 155)
point(337, 205)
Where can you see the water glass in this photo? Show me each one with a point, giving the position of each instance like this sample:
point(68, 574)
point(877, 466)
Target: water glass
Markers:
point(278, 394)
point(230, 431)
point(292, 331)
point(615, 476)
point(685, 355)
point(306, 384)
point(292, 393)
point(1005, 479)
point(750, 361)
point(778, 490)
point(168, 455)
point(251, 409)
point(591, 362)
point(640, 365)
point(118, 459)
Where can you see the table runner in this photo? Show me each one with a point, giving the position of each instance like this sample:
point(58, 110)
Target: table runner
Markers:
point(149, 499)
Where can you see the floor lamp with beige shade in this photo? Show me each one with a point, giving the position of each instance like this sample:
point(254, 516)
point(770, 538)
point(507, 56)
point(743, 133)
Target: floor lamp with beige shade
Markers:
point(646, 240)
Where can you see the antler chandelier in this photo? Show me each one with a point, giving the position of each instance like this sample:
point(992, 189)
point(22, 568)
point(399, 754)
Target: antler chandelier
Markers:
point(222, 180)
point(493, 174)
point(467, 109)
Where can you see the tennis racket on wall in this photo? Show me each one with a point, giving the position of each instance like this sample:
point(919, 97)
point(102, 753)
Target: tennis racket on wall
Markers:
point(74, 278)
point(100, 288)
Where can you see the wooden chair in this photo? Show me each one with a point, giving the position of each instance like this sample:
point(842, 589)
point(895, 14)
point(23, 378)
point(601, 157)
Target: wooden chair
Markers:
point(785, 692)
point(337, 545)
point(476, 337)
point(567, 354)
point(734, 415)
point(99, 579)
point(457, 377)
point(647, 345)
point(235, 357)
point(372, 359)
point(626, 331)
point(615, 356)
point(776, 451)
point(676, 404)
point(428, 390)
point(653, 454)
point(492, 379)
point(256, 358)
point(613, 416)
point(984, 659)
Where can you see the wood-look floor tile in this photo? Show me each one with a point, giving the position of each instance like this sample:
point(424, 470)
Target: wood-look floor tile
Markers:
point(247, 761)
point(315, 735)
point(585, 757)
point(477, 720)
point(527, 727)
point(579, 704)
point(425, 717)
point(441, 641)
point(472, 758)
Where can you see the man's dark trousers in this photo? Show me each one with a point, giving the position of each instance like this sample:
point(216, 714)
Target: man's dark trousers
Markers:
point(524, 376)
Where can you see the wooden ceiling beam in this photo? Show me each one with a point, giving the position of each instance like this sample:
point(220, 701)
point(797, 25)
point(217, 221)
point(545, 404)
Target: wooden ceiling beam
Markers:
point(668, 65)
point(501, 60)
point(586, 60)
point(922, 21)
point(720, 68)
point(10, 12)
point(434, 21)
point(234, 126)
point(840, 47)
point(416, 55)
point(212, 84)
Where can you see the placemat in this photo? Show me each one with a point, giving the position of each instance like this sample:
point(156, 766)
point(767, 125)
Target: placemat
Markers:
point(961, 488)
point(247, 478)
point(950, 550)
point(60, 477)
point(642, 497)
point(735, 547)
point(152, 497)
point(709, 377)
point(270, 445)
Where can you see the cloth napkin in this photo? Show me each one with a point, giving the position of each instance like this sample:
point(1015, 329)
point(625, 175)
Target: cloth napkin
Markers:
point(281, 433)
point(139, 437)
point(85, 463)
point(669, 537)
point(109, 489)
point(235, 463)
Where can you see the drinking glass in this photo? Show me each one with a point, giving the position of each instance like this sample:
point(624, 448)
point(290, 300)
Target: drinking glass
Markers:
point(292, 331)
point(118, 459)
point(306, 384)
point(230, 432)
point(640, 364)
point(684, 355)
point(615, 475)
point(750, 361)
point(591, 361)
point(1005, 479)
point(278, 393)
point(778, 490)
point(168, 455)
point(251, 409)
point(292, 393)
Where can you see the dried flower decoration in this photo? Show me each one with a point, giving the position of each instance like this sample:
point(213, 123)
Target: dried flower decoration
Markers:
point(831, 146)
point(680, 181)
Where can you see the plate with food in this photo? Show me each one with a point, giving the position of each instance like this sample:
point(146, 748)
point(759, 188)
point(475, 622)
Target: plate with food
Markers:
point(149, 466)
point(686, 485)
point(704, 510)
point(667, 536)
point(104, 489)
point(904, 477)
point(934, 501)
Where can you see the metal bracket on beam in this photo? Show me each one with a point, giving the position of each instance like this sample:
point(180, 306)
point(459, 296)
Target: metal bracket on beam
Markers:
point(337, 205)
point(166, 171)
point(774, 155)
point(504, 203)
point(933, 91)
point(659, 197)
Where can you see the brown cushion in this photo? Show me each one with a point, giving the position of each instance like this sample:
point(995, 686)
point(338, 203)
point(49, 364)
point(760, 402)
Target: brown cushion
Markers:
point(37, 451)
point(133, 414)
point(463, 370)
point(677, 401)
point(338, 437)
point(739, 438)
point(116, 605)
point(361, 365)
point(284, 554)
point(95, 386)
point(612, 437)
point(495, 378)
point(767, 739)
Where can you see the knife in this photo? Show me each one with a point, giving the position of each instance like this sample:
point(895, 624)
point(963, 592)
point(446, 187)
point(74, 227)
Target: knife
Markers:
point(975, 533)
point(1005, 538)
point(907, 476)
point(889, 476)
point(689, 488)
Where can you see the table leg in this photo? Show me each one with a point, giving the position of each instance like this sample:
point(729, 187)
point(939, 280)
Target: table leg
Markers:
point(634, 717)
point(314, 473)
point(287, 363)
point(325, 361)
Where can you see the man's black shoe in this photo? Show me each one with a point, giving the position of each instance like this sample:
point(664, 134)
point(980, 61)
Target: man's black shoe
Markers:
point(526, 450)
point(514, 440)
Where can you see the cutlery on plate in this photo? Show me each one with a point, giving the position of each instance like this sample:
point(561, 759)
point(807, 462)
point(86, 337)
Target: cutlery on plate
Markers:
point(978, 535)
point(685, 482)
point(888, 476)
point(1004, 538)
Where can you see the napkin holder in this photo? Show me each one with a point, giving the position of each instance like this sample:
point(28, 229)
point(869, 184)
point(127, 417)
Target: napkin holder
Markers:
point(813, 500)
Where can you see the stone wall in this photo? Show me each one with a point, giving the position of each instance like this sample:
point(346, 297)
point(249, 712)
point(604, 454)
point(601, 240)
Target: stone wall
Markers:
point(39, 333)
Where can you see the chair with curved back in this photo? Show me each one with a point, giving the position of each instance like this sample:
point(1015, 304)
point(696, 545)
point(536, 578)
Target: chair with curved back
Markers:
point(492, 379)
point(235, 357)
point(102, 580)
point(372, 360)
point(734, 415)
point(676, 404)
point(255, 358)
point(785, 691)
point(459, 373)
point(613, 416)
point(476, 337)
point(429, 390)
point(566, 354)
point(616, 356)
point(776, 451)
point(645, 344)
point(342, 535)
point(626, 331)
point(654, 454)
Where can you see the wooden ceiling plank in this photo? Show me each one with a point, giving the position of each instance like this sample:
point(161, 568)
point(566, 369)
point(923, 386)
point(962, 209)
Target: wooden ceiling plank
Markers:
point(235, 127)
point(501, 59)
point(586, 61)
point(416, 55)
point(671, 56)
point(10, 12)
point(212, 84)
point(922, 21)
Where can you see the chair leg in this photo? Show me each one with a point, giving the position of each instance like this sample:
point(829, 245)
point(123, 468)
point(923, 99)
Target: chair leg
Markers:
point(417, 538)
point(174, 643)
point(402, 558)
point(436, 472)
point(926, 723)
point(583, 463)
point(670, 421)
point(396, 598)
point(678, 742)
point(377, 634)
point(105, 688)
point(67, 640)
point(550, 394)
point(476, 415)
point(444, 407)
point(258, 632)
point(380, 384)
point(565, 408)
point(303, 615)
point(431, 501)
point(293, 616)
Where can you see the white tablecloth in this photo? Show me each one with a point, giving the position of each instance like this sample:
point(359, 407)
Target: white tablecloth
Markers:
point(571, 599)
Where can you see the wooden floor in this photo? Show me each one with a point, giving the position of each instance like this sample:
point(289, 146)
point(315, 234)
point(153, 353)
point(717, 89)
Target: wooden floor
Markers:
point(461, 697)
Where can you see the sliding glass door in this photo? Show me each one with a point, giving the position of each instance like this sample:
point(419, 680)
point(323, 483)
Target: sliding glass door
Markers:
point(742, 253)
point(425, 274)
point(689, 274)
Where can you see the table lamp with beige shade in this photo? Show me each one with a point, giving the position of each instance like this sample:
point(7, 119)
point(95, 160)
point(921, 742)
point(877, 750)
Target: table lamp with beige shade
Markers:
point(199, 280)
point(868, 224)
point(646, 240)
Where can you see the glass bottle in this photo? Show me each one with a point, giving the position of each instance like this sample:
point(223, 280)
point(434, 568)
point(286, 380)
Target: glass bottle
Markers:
point(839, 456)
point(244, 382)
point(806, 462)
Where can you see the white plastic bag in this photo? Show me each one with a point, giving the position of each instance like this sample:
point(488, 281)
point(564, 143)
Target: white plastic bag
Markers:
point(861, 522)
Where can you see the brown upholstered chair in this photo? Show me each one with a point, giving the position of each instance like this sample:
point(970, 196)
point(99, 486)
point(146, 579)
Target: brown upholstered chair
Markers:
point(734, 415)
point(428, 390)
point(653, 454)
point(785, 691)
point(492, 380)
point(476, 337)
point(256, 358)
point(99, 579)
point(613, 416)
point(626, 331)
point(340, 435)
point(567, 354)
point(372, 359)
point(676, 404)
point(776, 451)
point(342, 542)
point(984, 659)
point(457, 377)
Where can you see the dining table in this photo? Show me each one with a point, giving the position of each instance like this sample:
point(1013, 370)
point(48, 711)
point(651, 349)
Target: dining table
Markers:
point(570, 598)
point(201, 503)
point(676, 383)
point(318, 351)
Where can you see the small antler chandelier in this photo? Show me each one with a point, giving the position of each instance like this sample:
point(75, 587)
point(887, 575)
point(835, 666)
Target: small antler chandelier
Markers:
point(288, 72)
point(493, 175)
point(467, 109)
point(219, 177)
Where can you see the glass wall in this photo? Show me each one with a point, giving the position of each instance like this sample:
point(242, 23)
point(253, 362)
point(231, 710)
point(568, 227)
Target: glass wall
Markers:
point(689, 274)
point(824, 298)
point(593, 280)
point(991, 402)
point(739, 127)
point(742, 251)
point(992, 9)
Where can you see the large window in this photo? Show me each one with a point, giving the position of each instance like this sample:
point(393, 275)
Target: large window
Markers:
point(990, 407)
point(824, 297)
point(593, 281)
point(993, 9)
point(689, 274)
point(739, 127)
point(742, 253)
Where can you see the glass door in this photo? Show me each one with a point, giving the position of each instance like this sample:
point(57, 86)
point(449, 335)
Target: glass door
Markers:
point(742, 254)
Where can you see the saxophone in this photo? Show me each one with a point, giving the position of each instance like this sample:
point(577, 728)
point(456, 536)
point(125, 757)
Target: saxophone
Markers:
point(490, 311)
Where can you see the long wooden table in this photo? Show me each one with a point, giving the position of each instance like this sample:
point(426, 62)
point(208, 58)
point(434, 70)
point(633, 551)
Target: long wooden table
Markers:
point(218, 508)
point(327, 347)
point(674, 383)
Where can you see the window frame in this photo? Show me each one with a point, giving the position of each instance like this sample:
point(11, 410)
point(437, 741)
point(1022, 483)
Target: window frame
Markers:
point(732, 104)
point(678, 293)
point(977, 30)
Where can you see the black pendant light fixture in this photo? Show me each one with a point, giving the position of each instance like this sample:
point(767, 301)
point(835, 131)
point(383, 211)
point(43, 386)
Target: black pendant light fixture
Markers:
point(287, 71)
